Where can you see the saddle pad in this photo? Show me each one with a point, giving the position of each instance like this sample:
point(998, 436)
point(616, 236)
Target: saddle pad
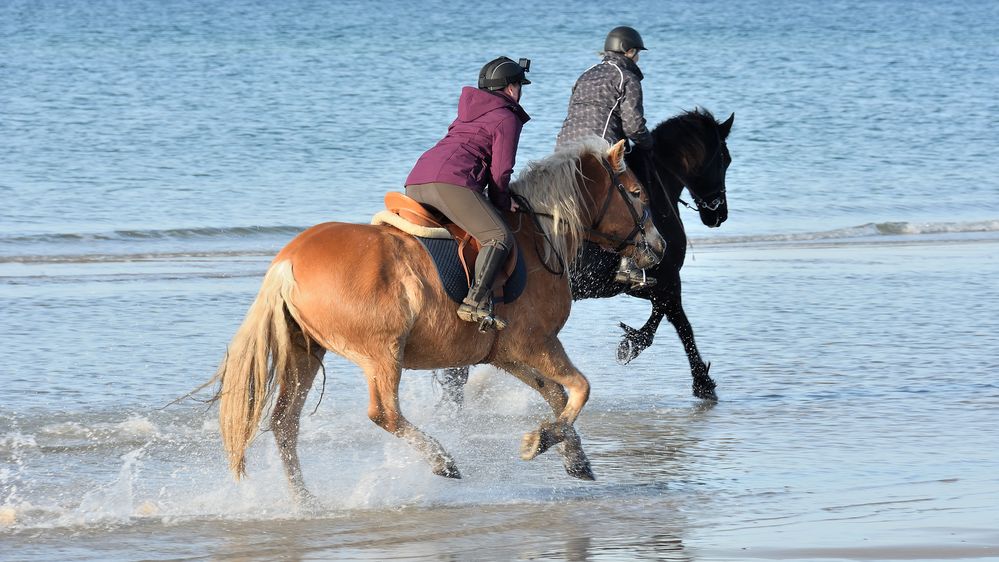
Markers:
point(444, 252)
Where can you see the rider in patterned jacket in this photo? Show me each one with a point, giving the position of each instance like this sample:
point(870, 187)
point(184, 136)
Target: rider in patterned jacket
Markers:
point(606, 101)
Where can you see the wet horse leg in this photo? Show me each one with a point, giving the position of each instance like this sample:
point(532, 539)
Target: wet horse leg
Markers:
point(635, 341)
point(453, 382)
point(305, 360)
point(667, 303)
point(703, 385)
point(573, 458)
point(383, 375)
point(554, 365)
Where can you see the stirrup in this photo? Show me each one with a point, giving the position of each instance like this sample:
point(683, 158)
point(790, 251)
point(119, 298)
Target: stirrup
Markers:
point(481, 315)
point(637, 279)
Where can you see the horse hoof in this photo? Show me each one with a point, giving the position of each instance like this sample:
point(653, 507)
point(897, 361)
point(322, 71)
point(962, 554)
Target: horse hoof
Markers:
point(448, 471)
point(530, 446)
point(705, 390)
point(626, 352)
point(577, 465)
point(581, 471)
point(308, 504)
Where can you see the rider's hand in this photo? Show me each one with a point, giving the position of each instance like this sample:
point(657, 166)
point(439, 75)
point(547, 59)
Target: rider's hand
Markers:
point(514, 207)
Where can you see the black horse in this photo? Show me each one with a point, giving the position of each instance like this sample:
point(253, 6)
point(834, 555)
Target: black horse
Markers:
point(689, 151)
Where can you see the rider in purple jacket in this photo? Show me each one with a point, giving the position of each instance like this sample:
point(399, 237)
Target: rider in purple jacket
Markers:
point(475, 160)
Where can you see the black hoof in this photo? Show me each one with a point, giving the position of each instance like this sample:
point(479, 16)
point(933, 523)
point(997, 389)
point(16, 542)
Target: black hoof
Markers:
point(704, 387)
point(580, 470)
point(626, 352)
point(632, 345)
point(449, 471)
point(705, 393)
point(308, 504)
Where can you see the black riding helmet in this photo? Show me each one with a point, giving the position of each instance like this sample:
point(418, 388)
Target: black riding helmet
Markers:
point(499, 72)
point(623, 39)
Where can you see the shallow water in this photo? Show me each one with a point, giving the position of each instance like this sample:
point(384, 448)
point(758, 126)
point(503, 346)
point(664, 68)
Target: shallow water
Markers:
point(855, 422)
point(158, 155)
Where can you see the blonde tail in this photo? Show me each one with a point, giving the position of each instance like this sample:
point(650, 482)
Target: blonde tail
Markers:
point(256, 361)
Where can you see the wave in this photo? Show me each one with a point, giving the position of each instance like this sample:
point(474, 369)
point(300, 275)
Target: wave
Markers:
point(202, 242)
point(871, 231)
point(154, 234)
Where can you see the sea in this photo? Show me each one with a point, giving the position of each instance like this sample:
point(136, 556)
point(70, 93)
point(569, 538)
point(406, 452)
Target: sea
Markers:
point(155, 155)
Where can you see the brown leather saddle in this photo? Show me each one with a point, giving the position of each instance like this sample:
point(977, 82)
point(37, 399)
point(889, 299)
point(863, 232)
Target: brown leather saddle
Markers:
point(421, 217)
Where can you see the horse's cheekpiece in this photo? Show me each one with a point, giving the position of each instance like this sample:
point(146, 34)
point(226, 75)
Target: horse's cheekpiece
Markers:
point(444, 252)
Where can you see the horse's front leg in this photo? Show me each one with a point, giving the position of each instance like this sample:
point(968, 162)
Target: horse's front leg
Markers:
point(703, 385)
point(635, 341)
point(573, 458)
point(552, 363)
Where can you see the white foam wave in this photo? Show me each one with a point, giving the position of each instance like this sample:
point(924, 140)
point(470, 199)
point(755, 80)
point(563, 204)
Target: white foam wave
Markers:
point(176, 472)
point(15, 441)
point(868, 230)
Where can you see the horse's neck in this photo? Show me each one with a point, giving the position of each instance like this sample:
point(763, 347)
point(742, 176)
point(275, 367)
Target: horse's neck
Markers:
point(667, 212)
point(531, 244)
point(669, 173)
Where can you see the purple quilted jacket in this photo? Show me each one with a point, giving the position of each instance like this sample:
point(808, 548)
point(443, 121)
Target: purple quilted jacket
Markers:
point(480, 147)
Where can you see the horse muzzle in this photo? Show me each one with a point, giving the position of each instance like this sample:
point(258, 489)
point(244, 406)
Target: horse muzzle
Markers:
point(650, 251)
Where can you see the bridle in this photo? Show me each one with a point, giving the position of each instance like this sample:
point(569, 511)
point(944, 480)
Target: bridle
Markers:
point(700, 204)
point(617, 187)
point(637, 231)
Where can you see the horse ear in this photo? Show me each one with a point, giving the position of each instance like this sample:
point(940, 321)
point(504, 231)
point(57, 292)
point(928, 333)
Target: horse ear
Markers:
point(615, 155)
point(725, 128)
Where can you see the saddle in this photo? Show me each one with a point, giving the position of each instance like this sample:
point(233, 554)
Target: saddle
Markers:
point(452, 249)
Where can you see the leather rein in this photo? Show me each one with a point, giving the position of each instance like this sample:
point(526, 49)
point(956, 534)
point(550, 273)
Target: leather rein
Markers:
point(618, 187)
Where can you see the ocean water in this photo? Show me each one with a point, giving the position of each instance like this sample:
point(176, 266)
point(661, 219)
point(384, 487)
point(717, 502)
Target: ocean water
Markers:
point(155, 155)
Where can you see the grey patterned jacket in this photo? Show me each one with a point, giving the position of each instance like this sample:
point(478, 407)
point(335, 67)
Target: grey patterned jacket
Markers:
point(607, 101)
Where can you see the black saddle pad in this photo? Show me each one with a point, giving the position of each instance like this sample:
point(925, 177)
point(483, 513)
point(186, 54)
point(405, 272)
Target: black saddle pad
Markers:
point(444, 252)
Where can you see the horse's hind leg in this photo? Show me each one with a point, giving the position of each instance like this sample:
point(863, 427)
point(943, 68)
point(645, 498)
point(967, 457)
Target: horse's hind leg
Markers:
point(453, 380)
point(573, 458)
point(305, 359)
point(383, 377)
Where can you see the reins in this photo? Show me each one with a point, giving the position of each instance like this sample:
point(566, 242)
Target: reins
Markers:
point(629, 240)
point(524, 204)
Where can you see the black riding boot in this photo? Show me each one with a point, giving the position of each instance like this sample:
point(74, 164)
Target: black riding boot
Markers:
point(478, 305)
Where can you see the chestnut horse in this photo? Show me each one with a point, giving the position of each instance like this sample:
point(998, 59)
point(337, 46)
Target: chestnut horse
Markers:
point(372, 294)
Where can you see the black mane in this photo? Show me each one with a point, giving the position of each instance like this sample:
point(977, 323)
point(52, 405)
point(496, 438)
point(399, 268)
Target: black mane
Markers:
point(686, 130)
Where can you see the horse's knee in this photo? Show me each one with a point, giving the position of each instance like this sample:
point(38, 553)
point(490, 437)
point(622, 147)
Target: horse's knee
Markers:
point(581, 389)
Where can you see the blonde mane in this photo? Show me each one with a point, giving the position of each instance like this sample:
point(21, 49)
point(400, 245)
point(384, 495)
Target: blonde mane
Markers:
point(550, 186)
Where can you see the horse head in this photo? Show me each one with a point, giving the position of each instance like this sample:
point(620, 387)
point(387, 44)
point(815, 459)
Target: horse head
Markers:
point(692, 148)
point(587, 192)
point(621, 219)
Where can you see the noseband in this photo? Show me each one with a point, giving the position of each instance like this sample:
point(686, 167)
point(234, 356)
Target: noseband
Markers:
point(637, 231)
